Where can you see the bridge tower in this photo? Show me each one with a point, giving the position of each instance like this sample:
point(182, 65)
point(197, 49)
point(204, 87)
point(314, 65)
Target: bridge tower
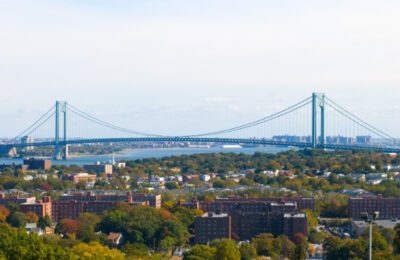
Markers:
point(318, 108)
point(61, 108)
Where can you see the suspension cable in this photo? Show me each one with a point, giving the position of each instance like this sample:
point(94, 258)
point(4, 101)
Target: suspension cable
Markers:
point(106, 124)
point(26, 131)
point(359, 121)
point(259, 121)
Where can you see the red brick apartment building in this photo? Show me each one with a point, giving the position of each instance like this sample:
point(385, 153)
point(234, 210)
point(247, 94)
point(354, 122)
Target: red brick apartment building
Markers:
point(41, 207)
point(212, 226)
point(72, 205)
point(250, 218)
point(230, 204)
point(16, 199)
point(388, 208)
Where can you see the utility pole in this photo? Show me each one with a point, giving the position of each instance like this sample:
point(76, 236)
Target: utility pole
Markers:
point(370, 240)
point(370, 220)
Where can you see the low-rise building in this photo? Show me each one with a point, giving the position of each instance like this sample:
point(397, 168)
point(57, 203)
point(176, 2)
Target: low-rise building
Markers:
point(157, 181)
point(99, 168)
point(83, 177)
point(115, 239)
point(205, 177)
point(38, 164)
point(359, 227)
point(154, 200)
point(376, 176)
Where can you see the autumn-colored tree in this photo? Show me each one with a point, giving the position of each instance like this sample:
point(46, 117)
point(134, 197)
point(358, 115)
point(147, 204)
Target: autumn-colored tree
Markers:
point(94, 251)
point(4, 213)
point(67, 227)
point(300, 251)
point(31, 217)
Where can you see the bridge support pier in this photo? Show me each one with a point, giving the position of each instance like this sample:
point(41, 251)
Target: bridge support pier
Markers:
point(318, 105)
point(61, 107)
point(66, 152)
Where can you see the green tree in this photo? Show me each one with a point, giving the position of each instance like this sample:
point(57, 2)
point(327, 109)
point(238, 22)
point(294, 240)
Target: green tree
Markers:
point(17, 219)
point(86, 225)
point(226, 249)
point(396, 240)
point(17, 244)
point(200, 252)
point(338, 249)
point(145, 225)
point(167, 243)
point(300, 251)
point(266, 245)
point(135, 250)
point(287, 246)
point(44, 222)
point(172, 186)
point(380, 245)
point(247, 251)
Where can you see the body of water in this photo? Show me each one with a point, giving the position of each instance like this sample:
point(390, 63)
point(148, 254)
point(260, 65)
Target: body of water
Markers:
point(134, 154)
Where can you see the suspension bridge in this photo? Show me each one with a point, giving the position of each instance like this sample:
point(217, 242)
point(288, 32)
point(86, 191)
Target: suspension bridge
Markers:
point(315, 122)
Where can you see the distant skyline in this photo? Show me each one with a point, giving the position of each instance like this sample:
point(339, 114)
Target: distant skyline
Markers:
point(191, 66)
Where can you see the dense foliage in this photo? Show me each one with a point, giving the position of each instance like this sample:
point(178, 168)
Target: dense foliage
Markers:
point(150, 233)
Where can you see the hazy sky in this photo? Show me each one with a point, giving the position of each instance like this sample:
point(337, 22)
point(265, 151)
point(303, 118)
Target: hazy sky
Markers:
point(189, 66)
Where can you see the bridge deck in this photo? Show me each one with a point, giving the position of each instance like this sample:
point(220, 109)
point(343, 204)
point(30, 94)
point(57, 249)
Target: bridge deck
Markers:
point(209, 140)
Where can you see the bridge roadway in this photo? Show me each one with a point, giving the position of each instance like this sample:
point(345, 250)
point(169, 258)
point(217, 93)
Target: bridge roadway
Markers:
point(209, 140)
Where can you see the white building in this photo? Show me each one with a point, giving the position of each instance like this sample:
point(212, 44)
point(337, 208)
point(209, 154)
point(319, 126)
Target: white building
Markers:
point(157, 181)
point(205, 177)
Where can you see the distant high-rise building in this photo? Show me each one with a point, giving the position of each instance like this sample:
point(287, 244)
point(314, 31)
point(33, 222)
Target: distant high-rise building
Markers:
point(363, 139)
point(26, 140)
